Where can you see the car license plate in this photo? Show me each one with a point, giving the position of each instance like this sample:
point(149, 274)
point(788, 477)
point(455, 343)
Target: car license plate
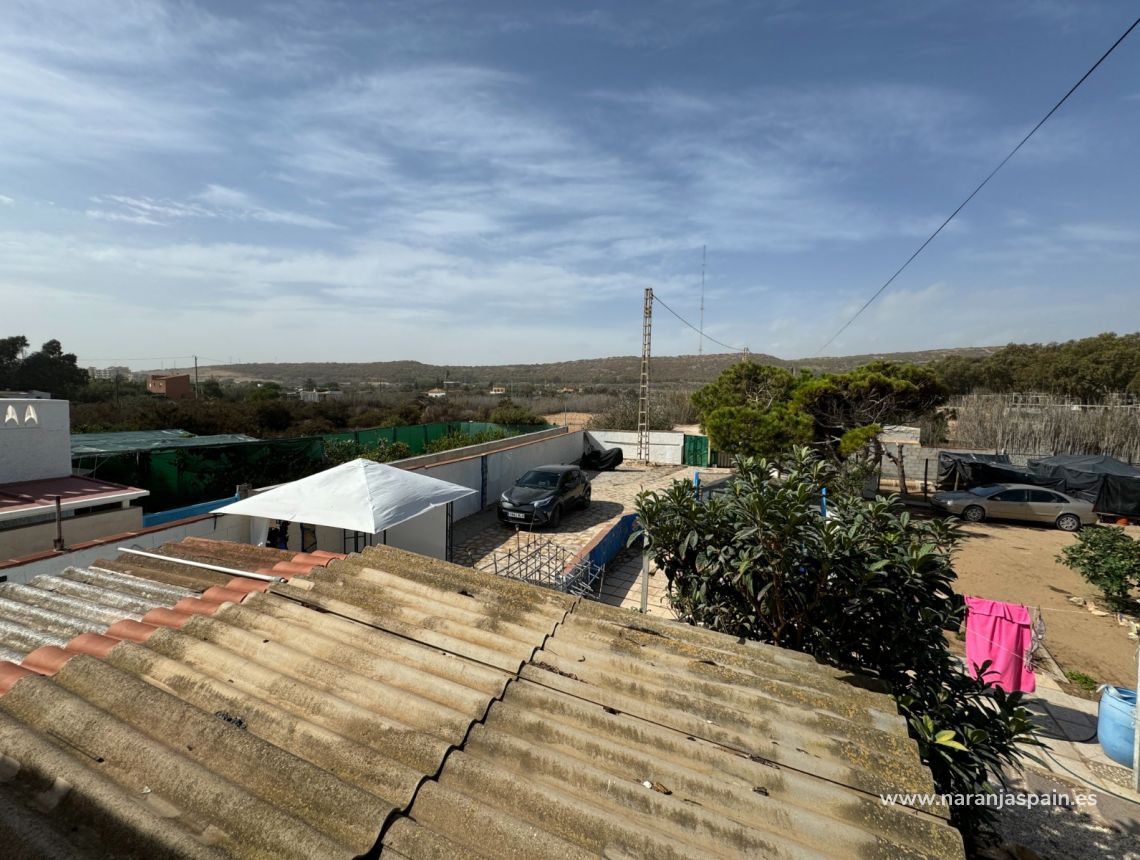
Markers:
point(516, 516)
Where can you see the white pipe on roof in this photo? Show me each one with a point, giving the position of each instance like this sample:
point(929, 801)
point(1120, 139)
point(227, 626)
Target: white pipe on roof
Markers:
point(230, 570)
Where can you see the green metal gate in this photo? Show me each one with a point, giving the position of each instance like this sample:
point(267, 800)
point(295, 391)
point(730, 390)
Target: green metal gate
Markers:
point(695, 451)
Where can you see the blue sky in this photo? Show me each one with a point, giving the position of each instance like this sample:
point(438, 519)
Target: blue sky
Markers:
point(498, 182)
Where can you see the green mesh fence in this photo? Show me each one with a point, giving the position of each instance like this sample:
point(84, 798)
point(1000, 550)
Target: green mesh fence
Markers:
point(177, 477)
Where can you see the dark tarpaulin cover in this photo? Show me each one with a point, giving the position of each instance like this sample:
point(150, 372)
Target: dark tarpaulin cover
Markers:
point(602, 460)
point(1112, 485)
point(982, 474)
point(963, 466)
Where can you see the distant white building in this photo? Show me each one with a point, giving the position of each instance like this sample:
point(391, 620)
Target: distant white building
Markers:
point(25, 395)
point(497, 390)
point(320, 396)
point(436, 392)
point(108, 372)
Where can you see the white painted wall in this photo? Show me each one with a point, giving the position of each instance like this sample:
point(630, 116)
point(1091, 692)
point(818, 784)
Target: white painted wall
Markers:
point(35, 440)
point(506, 467)
point(29, 540)
point(664, 447)
point(465, 473)
point(425, 534)
point(219, 528)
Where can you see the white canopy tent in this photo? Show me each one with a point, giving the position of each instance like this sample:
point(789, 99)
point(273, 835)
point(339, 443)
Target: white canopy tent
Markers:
point(360, 496)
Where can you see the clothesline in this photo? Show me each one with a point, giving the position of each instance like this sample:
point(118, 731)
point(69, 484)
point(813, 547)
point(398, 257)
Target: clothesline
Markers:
point(998, 646)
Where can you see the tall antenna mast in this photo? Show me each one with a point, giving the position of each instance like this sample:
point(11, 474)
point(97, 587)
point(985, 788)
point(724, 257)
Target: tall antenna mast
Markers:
point(643, 388)
point(701, 330)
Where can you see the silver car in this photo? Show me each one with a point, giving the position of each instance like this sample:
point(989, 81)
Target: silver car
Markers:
point(1022, 502)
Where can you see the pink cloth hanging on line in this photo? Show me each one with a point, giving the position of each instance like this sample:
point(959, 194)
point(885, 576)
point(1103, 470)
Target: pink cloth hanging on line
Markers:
point(1003, 634)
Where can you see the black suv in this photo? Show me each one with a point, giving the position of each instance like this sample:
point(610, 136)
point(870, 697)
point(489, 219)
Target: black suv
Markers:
point(541, 495)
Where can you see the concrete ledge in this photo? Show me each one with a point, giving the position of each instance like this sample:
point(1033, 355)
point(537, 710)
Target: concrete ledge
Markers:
point(455, 455)
point(103, 541)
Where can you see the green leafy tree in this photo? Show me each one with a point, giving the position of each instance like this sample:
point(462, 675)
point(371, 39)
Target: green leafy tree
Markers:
point(1088, 369)
point(1107, 558)
point(273, 416)
point(48, 369)
point(754, 431)
point(861, 440)
point(754, 410)
point(265, 391)
point(745, 411)
point(867, 588)
point(881, 393)
point(509, 412)
point(744, 384)
point(11, 356)
point(874, 395)
point(383, 452)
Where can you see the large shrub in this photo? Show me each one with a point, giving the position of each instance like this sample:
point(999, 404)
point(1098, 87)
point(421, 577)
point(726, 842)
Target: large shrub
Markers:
point(345, 451)
point(1107, 558)
point(867, 587)
point(754, 410)
point(509, 412)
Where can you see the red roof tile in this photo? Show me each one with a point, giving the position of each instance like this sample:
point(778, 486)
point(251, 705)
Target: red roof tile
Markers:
point(29, 496)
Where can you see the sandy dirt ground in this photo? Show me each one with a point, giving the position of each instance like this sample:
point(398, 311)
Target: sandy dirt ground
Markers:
point(1015, 563)
point(574, 420)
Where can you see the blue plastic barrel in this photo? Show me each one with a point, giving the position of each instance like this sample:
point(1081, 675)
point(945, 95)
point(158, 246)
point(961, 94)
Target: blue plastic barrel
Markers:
point(1116, 723)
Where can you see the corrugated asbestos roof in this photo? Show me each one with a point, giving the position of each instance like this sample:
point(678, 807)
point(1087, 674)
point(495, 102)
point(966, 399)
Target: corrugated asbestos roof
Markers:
point(390, 703)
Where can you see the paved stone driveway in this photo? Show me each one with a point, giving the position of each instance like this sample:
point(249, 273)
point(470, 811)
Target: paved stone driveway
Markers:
point(622, 587)
point(476, 539)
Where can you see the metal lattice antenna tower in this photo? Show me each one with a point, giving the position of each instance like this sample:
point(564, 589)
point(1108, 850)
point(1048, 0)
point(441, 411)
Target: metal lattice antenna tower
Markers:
point(643, 390)
point(701, 330)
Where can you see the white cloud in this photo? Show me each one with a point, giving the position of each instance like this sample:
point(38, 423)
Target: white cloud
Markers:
point(5, 200)
point(123, 217)
point(438, 180)
point(215, 202)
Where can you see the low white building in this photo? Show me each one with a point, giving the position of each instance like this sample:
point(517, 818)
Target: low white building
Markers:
point(40, 500)
point(320, 396)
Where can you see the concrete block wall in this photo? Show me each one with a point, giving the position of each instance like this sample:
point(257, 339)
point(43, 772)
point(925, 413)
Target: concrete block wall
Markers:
point(917, 458)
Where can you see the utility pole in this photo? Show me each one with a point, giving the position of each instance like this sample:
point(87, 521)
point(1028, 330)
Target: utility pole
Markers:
point(195, 377)
point(701, 330)
point(643, 389)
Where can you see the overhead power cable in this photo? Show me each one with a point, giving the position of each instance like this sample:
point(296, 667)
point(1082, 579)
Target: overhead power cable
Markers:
point(697, 330)
point(981, 185)
point(144, 358)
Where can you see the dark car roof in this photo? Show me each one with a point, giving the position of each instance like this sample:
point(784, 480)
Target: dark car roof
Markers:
point(557, 467)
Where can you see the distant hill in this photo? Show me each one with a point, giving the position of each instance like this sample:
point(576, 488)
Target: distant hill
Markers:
point(619, 370)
